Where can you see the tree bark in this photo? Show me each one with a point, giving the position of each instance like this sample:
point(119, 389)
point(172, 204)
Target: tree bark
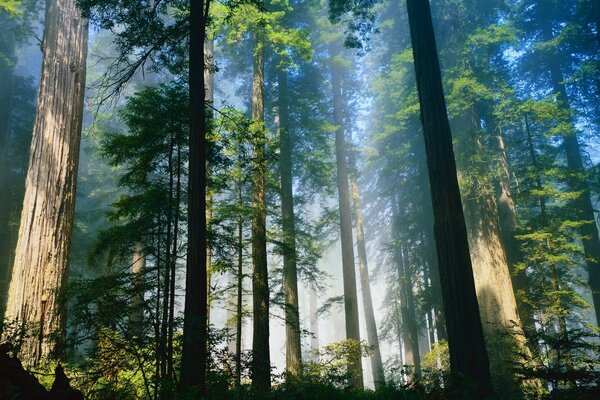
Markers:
point(349, 274)
point(376, 363)
point(136, 313)
point(293, 346)
point(507, 220)
point(41, 257)
point(261, 364)
point(468, 355)
point(194, 351)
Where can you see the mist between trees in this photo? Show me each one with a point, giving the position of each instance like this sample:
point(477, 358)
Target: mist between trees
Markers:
point(300, 199)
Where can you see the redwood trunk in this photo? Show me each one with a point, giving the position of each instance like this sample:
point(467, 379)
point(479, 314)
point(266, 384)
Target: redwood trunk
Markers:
point(376, 363)
point(293, 346)
point(194, 351)
point(261, 365)
point(349, 274)
point(468, 355)
point(41, 257)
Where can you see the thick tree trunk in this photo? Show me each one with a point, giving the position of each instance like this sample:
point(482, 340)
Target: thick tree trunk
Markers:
point(349, 274)
point(194, 351)
point(136, 312)
point(507, 221)
point(468, 355)
point(261, 364)
point(293, 345)
point(376, 363)
point(41, 258)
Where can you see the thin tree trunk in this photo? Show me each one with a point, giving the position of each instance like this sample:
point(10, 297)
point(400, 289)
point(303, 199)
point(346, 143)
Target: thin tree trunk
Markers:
point(468, 355)
point(41, 259)
point(314, 322)
point(194, 351)
point(136, 313)
point(293, 346)
point(261, 364)
point(209, 83)
point(349, 274)
point(240, 282)
point(376, 362)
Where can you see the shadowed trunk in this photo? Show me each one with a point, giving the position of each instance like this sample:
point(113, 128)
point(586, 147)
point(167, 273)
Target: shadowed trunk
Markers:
point(194, 351)
point(468, 355)
point(261, 361)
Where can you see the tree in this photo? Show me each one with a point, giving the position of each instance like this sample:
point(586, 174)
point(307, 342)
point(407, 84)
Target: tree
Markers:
point(290, 273)
point(349, 273)
point(194, 351)
point(41, 258)
point(468, 355)
point(261, 361)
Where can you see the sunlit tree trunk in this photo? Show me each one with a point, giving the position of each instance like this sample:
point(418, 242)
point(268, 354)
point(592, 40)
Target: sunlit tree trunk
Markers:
point(240, 282)
point(507, 221)
point(468, 355)
point(136, 313)
point(261, 374)
point(376, 363)
point(41, 257)
point(209, 84)
point(293, 345)
point(349, 274)
point(194, 351)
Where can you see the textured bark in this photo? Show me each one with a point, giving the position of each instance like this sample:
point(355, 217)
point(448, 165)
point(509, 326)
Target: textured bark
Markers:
point(194, 351)
point(468, 355)
point(507, 220)
point(41, 257)
point(293, 345)
point(349, 274)
point(495, 294)
point(261, 364)
point(363, 268)
point(136, 313)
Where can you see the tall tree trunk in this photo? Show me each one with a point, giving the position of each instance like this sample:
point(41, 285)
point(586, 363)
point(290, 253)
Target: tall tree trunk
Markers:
point(261, 364)
point(41, 257)
point(209, 84)
point(507, 221)
point(293, 345)
point(349, 274)
point(468, 355)
point(136, 313)
point(376, 363)
point(495, 293)
point(194, 351)
point(583, 204)
point(240, 282)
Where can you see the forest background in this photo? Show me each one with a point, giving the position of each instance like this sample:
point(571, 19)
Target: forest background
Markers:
point(315, 166)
